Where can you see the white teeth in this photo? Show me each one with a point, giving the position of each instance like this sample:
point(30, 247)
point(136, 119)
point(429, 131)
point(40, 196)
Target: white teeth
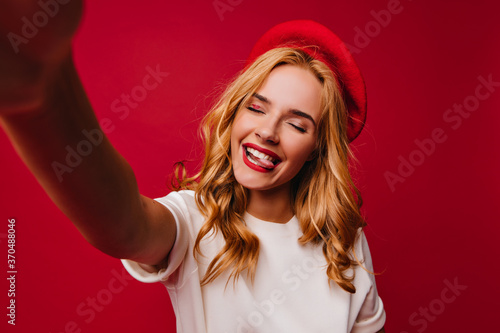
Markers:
point(259, 154)
point(250, 158)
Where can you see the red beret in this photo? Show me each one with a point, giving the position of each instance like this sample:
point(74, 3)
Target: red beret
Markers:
point(322, 44)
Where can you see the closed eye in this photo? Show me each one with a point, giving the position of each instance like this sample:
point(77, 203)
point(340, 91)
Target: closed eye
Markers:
point(298, 128)
point(254, 109)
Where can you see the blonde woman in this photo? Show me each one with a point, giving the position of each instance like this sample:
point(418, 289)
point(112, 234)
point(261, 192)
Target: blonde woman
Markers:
point(267, 237)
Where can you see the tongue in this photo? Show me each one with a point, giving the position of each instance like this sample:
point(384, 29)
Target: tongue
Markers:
point(263, 162)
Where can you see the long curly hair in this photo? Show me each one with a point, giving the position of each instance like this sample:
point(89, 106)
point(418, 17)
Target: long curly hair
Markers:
point(324, 197)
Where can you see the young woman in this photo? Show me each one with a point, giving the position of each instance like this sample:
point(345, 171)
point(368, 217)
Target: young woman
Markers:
point(267, 237)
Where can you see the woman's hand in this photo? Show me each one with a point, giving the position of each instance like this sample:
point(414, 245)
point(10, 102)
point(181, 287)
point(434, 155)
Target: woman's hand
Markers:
point(35, 38)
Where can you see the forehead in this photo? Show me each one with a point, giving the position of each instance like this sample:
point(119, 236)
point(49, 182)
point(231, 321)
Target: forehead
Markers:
point(293, 87)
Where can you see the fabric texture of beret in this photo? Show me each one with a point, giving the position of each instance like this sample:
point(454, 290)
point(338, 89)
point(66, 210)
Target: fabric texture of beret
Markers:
point(322, 44)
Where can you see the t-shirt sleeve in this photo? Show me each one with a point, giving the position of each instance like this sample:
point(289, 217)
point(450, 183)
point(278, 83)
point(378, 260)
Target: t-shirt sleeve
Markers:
point(177, 205)
point(371, 317)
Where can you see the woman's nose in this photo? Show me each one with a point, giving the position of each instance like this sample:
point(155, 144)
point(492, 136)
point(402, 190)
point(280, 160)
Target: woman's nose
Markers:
point(267, 132)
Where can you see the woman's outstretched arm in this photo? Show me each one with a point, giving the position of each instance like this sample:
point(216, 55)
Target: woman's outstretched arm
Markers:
point(46, 114)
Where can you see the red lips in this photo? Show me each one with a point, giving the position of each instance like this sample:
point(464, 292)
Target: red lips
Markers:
point(262, 150)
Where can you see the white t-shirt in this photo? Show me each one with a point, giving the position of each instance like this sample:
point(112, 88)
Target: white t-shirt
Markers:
point(291, 292)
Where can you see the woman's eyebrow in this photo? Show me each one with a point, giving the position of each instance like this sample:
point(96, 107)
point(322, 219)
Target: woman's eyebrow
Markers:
point(303, 115)
point(262, 98)
point(293, 111)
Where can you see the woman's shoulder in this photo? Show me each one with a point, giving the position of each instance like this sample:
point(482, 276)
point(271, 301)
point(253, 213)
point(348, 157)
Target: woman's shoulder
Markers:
point(181, 203)
point(184, 195)
point(361, 248)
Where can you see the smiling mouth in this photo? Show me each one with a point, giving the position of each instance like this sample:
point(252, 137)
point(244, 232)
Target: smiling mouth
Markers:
point(260, 159)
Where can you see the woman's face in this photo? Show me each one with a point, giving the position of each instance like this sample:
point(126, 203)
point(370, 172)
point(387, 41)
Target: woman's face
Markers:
point(275, 133)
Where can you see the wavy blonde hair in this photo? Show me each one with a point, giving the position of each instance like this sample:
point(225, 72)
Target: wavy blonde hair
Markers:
point(324, 197)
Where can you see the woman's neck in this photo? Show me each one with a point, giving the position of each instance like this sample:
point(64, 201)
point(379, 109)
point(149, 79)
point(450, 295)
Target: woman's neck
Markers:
point(271, 205)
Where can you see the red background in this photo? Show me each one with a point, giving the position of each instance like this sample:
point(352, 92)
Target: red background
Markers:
point(440, 224)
